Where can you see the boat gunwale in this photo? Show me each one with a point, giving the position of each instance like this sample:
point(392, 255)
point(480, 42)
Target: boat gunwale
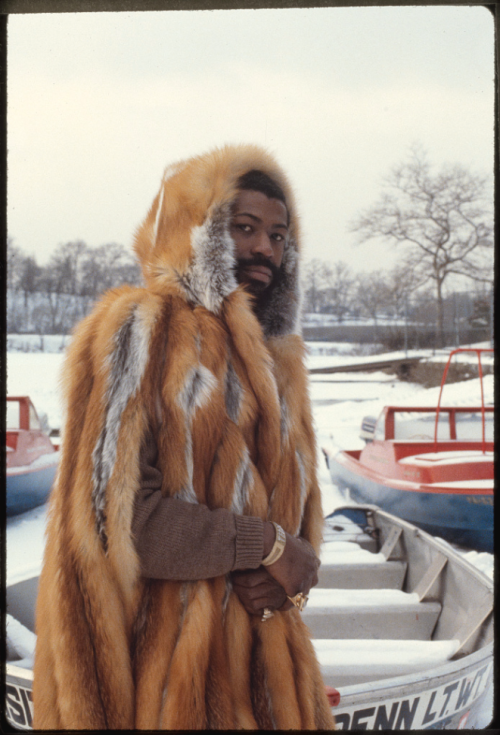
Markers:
point(441, 546)
point(27, 469)
point(357, 693)
point(348, 460)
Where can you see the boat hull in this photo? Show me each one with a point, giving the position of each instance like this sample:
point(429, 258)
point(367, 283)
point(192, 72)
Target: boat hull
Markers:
point(29, 488)
point(450, 697)
point(461, 518)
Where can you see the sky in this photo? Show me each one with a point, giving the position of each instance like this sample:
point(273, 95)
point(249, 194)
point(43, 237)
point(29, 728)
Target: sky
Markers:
point(100, 103)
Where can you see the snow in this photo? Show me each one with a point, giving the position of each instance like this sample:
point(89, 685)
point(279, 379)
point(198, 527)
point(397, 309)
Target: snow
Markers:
point(36, 374)
point(336, 597)
point(339, 402)
point(45, 460)
point(25, 544)
point(37, 343)
point(355, 556)
point(22, 640)
point(379, 658)
point(448, 457)
point(325, 361)
point(482, 560)
point(464, 484)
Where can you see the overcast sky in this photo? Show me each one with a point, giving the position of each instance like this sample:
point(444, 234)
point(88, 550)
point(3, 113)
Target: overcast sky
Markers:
point(100, 103)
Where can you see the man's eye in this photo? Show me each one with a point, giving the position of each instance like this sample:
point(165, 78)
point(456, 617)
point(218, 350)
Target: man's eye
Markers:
point(278, 237)
point(244, 227)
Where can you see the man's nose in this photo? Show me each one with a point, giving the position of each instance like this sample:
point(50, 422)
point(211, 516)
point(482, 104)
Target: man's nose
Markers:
point(262, 245)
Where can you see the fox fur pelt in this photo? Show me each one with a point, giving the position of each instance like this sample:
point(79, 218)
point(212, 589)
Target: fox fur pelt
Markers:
point(226, 394)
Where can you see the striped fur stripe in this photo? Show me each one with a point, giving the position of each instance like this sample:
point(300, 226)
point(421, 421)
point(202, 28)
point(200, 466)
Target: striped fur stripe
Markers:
point(127, 364)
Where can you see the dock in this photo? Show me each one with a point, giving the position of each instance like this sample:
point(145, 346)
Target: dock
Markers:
point(400, 363)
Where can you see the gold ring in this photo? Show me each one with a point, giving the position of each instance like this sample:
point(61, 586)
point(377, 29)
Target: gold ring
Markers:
point(267, 614)
point(299, 600)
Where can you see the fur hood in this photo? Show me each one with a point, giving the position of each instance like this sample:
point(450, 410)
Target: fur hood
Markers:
point(184, 243)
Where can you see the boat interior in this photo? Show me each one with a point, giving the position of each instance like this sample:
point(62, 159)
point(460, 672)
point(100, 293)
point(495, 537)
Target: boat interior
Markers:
point(392, 600)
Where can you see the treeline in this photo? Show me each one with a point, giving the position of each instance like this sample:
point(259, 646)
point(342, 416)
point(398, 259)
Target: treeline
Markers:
point(50, 299)
point(402, 310)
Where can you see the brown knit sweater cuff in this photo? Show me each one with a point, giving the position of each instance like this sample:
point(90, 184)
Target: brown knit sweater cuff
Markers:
point(249, 542)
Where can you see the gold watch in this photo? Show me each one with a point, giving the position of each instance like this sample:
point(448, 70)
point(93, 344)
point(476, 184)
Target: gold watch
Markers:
point(278, 546)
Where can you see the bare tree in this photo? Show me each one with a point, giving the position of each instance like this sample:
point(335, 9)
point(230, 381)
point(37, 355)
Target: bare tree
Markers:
point(66, 266)
point(108, 266)
point(402, 281)
point(372, 295)
point(42, 322)
point(341, 283)
point(316, 276)
point(15, 258)
point(29, 277)
point(15, 311)
point(443, 219)
point(66, 287)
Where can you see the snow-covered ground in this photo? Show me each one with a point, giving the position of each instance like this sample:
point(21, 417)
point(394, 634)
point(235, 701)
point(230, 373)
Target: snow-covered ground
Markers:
point(339, 403)
point(339, 400)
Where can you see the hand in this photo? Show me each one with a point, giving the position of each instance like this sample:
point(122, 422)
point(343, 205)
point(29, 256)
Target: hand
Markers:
point(257, 589)
point(297, 568)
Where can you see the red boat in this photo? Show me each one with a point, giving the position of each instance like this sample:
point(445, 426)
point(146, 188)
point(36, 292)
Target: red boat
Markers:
point(430, 466)
point(31, 457)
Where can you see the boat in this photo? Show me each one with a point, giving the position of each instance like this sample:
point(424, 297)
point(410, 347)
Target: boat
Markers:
point(432, 466)
point(31, 459)
point(401, 624)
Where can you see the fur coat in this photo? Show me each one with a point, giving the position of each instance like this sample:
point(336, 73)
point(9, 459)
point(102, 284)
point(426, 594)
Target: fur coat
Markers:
point(226, 394)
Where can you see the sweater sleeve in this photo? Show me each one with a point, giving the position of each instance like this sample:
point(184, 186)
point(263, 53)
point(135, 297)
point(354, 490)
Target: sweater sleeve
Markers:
point(183, 541)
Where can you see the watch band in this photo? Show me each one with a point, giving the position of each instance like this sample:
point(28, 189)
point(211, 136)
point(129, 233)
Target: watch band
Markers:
point(278, 546)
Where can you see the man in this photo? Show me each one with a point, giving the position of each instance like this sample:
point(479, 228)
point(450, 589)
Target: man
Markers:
point(186, 518)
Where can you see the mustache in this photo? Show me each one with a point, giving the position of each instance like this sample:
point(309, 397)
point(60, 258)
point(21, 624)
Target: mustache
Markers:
point(242, 263)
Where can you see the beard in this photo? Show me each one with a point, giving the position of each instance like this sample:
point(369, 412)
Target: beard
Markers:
point(261, 293)
point(254, 286)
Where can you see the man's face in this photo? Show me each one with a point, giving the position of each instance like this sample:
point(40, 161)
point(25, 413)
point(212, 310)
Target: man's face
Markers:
point(259, 228)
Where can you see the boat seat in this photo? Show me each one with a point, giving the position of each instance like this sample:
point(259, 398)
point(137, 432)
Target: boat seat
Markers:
point(346, 565)
point(348, 662)
point(453, 457)
point(346, 575)
point(365, 613)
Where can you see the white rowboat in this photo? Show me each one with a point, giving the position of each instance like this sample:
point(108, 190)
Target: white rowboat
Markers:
point(402, 624)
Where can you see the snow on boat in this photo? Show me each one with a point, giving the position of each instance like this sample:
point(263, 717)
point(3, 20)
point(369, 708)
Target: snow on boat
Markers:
point(431, 466)
point(31, 457)
point(401, 624)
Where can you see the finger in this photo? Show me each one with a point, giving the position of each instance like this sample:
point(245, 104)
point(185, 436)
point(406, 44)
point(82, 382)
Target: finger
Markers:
point(269, 600)
point(251, 578)
point(247, 582)
point(274, 600)
point(259, 590)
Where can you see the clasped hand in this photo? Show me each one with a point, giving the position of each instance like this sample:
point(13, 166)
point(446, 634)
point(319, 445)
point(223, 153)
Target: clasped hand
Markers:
point(295, 571)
